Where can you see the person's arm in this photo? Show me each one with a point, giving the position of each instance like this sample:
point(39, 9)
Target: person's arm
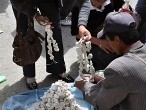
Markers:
point(83, 19)
point(84, 13)
point(31, 11)
point(106, 93)
point(28, 7)
point(31, 8)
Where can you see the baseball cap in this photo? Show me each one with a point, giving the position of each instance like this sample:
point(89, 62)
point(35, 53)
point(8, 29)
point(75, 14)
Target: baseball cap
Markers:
point(119, 22)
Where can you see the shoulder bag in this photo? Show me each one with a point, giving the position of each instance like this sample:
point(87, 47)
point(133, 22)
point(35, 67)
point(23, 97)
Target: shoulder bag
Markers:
point(28, 48)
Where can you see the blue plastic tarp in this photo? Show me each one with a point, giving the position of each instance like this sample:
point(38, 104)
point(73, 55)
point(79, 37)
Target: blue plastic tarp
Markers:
point(23, 101)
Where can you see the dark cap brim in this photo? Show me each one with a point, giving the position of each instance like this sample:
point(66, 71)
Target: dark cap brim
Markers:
point(101, 34)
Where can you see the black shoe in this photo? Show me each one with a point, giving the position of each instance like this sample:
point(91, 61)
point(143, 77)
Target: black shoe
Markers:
point(31, 86)
point(67, 79)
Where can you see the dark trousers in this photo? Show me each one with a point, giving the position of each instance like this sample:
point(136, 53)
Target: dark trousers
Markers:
point(51, 10)
point(141, 9)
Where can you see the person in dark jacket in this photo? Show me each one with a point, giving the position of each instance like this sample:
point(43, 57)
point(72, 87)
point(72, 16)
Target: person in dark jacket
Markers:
point(87, 20)
point(49, 11)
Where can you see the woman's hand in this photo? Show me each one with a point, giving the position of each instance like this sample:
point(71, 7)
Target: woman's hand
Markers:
point(42, 20)
point(83, 32)
point(125, 7)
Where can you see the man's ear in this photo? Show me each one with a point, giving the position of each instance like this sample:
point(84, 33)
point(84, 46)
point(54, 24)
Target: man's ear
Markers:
point(117, 39)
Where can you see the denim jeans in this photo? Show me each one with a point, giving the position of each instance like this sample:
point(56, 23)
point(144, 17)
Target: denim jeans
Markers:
point(141, 9)
point(23, 101)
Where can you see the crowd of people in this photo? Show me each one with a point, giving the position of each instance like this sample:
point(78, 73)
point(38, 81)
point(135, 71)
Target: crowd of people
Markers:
point(117, 33)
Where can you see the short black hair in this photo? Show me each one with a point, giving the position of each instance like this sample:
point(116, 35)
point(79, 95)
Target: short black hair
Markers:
point(128, 37)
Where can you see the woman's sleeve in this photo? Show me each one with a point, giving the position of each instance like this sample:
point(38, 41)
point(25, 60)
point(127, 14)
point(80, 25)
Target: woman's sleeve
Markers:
point(31, 8)
point(84, 13)
point(28, 7)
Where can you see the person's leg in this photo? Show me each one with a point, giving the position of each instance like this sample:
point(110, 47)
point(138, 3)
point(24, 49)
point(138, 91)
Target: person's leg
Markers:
point(51, 10)
point(66, 21)
point(56, 67)
point(74, 20)
point(66, 9)
point(28, 70)
point(29, 73)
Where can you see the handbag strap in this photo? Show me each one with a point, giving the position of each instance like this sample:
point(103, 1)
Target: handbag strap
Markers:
point(30, 20)
point(136, 56)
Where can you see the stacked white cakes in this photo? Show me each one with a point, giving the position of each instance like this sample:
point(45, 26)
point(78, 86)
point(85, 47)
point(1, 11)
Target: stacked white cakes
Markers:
point(58, 97)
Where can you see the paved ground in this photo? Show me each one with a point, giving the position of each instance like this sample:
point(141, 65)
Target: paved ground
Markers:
point(15, 82)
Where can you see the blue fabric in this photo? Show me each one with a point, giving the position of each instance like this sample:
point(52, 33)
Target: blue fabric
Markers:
point(24, 100)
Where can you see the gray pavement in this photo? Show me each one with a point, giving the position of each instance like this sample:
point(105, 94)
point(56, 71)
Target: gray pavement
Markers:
point(15, 82)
